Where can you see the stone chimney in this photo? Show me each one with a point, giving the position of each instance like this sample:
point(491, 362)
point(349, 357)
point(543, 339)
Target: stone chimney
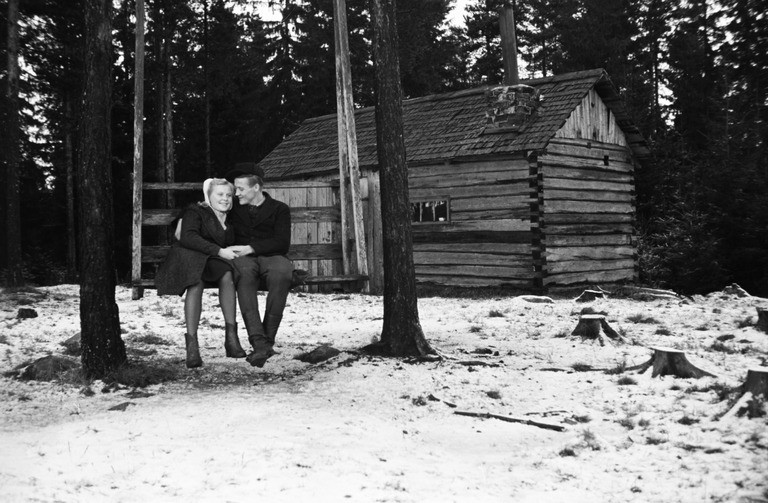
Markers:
point(512, 105)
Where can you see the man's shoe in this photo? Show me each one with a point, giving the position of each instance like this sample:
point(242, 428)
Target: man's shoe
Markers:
point(262, 351)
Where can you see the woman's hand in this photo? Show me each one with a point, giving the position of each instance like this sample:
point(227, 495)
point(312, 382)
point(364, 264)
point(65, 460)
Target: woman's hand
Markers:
point(227, 254)
point(240, 250)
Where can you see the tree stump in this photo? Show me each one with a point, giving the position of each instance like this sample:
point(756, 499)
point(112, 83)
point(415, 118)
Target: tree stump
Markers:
point(756, 385)
point(670, 361)
point(762, 319)
point(594, 326)
point(26, 312)
point(757, 381)
point(589, 296)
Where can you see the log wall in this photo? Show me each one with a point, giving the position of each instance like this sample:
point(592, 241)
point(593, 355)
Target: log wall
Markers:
point(588, 214)
point(565, 216)
point(487, 241)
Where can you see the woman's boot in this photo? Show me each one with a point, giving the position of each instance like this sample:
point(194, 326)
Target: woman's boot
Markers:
point(193, 352)
point(232, 342)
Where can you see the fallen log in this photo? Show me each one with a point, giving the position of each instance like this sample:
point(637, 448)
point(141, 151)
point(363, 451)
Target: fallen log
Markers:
point(670, 361)
point(434, 398)
point(510, 419)
point(590, 295)
point(642, 293)
point(594, 326)
point(476, 363)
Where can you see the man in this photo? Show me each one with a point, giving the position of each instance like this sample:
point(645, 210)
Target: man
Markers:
point(262, 235)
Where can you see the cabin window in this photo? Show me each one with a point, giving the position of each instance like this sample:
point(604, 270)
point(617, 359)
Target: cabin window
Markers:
point(436, 211)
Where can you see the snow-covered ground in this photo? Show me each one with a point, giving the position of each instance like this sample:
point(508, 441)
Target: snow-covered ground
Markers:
point(360, 428)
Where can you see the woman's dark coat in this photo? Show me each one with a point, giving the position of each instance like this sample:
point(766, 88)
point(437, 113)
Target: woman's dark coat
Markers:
point(202, 236)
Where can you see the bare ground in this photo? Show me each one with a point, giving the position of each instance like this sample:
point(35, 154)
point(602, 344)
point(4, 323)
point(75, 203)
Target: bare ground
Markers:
point(364, 428)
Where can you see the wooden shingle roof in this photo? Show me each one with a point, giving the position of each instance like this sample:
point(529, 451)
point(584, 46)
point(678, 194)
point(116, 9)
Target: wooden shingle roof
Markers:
point(448, 126)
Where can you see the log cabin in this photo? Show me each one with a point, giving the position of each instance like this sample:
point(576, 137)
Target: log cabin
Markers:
point(529, 185)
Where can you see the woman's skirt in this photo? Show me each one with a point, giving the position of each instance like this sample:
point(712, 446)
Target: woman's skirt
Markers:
point(215, 268)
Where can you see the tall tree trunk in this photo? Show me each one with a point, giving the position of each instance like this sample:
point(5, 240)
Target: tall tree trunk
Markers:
point(401, 334)
point(12, 155)
point(206, 93)
point(160, 59)
point(162, 45)
point(103, 349)
point(168, 126)
point(69, 160)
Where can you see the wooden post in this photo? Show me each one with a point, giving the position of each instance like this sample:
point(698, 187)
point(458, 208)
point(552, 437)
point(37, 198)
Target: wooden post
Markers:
point(508, 45)
point(349, 170)
point(138, 152)
point(341, 119)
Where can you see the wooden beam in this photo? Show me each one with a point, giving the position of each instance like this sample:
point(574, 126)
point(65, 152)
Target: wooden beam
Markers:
point(138, 150)
point(313, 251)
point(298, 215)
point(287, 184)
point(349, 169)
point(309, 280)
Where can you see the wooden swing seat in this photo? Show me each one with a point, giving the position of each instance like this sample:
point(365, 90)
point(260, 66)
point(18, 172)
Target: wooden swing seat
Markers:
point(150, 256)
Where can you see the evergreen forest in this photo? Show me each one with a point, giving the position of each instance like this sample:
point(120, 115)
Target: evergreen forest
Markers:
point(226, 81)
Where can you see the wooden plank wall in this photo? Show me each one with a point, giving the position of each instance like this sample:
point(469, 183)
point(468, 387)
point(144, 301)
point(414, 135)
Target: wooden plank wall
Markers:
point(593, 120)
point(305, 233)
point(488, 239)
point(588, 216)
point(370, 194)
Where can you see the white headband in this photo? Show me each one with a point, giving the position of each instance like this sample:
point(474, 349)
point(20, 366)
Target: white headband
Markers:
point(206, 186)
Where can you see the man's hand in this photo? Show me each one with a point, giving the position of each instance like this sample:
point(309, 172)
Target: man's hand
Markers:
point(241, 250)
point(227, 254)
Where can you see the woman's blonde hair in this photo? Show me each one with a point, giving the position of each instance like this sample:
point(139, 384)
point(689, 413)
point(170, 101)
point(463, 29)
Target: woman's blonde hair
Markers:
point(213, 182)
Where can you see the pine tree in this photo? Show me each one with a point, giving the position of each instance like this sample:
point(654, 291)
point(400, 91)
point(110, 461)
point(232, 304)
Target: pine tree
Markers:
point(483, 41)
point(402, 334)
point(103, 349)
point(427, 48)
point(649, 50)
point(745, 205)
point(12, 152)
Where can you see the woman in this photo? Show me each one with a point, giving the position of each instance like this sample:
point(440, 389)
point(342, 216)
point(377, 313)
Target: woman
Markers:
point(201, 257)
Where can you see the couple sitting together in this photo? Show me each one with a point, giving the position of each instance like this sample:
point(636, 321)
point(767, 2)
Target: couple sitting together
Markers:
point(237, 247)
